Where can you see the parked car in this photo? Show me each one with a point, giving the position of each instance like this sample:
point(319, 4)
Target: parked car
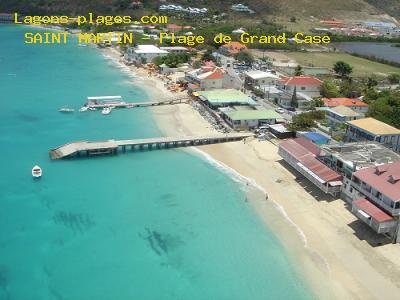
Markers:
point(280, 110)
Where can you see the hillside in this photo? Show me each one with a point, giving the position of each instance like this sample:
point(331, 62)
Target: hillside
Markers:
point(287, 8)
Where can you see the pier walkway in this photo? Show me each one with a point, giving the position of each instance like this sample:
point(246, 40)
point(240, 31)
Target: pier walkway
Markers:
point(109, 147)
point(95, 102)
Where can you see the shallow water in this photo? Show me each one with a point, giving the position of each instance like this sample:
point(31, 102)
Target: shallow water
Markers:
point(143, 225)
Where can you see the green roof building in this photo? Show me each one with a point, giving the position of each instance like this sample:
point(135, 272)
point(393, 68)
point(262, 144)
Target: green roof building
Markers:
point(225, 97)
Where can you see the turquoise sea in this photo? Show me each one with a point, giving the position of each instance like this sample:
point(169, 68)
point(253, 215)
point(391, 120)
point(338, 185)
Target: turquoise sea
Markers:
point(144, 225)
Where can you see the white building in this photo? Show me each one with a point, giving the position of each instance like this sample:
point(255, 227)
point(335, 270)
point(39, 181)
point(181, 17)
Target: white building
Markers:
point(306, 85)
point(144, 53)
point(207, 77)
point(260, 78)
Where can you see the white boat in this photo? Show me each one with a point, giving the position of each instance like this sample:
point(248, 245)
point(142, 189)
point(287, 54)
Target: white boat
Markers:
point(36, 172)
point(106, 110)
point(66, 110)
point(83, 108)
point(92, 108)
point(82, 45)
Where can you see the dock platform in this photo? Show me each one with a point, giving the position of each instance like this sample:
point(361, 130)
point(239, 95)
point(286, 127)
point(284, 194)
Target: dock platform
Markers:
point(110, 147)
point(116, 102)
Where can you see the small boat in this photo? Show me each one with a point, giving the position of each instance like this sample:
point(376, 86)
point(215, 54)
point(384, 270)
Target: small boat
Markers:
point(66, 110)
point(106, 110)
point(83, 108)
point(36, 172)
point(82, 45)
point(92, 108)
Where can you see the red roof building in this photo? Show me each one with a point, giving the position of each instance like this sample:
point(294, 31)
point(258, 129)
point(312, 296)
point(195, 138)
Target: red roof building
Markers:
point(301, 81)
point(301, 154)
point(383, 180)
point(377, 197)
point(354, 104)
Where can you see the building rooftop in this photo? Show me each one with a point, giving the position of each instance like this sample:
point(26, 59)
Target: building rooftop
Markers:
point(316, 137)
point(372, 210)
point(361, 155)
point(332, 102)
point(374, 126)
point(301, 80)
point(234, 47)
point(383, 178)
point(305, 152)
point(344, 111)
point(260, 74)
point(144, 49)
point(226, 96)
point(253, 114)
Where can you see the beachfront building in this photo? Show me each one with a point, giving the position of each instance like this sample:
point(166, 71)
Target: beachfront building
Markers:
point(144, 53)
point(348, 158)
point(206, 77)
point(280, 131)
point(370, 129)
point(246, 119)
point(301, 154)
point(376, 201)
point(355, 104)
point(257, 78)
point(225, 97)
point(232, 48)
point(339, 115)
point(305, 85)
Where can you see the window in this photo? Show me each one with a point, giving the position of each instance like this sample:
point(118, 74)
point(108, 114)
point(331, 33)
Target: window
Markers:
point(303, 88)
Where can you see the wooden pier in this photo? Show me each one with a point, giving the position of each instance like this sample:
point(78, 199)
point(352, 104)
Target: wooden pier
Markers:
point(123, 104)
point(109, 147)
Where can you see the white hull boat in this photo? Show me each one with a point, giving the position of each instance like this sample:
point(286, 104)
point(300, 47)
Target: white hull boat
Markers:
point(66, 110)
point(83, 108)
point(36, 172)
point(106, 110)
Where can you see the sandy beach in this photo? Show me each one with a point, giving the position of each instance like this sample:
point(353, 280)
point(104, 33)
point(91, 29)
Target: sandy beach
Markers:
point(338, 256)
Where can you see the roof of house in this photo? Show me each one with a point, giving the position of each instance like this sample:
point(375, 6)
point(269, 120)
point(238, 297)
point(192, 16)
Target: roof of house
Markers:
point(372, 210)
point(225, 96)
point(301, 80)
point(332, 102)
point(344, 111)
point(361, 155)
point(147, 49)
point(315, 137)
point(305, 153)
point(374, 126)
point(208, 72)
point(257, 74)
point(384, 178)
point(234, 47)
point(253, 114)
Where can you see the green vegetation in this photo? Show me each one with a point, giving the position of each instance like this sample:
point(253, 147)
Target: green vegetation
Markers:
point(298, 71)
point(245, 56)
point(361, 67)
point(384, 106)
point(306, 121)
point(329, 89)
point(394, 78)
point(342, 68)
point(172, 59)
